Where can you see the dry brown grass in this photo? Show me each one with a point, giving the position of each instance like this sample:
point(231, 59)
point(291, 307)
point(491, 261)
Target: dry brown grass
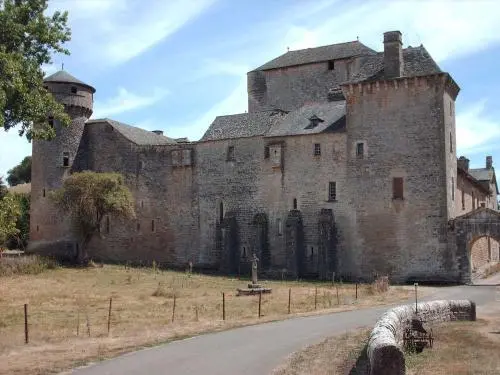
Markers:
point(338, 355)
point(460, 348)
point(60, 301)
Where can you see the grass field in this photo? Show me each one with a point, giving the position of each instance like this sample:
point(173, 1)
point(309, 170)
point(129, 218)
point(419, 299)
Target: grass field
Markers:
point(65, 305)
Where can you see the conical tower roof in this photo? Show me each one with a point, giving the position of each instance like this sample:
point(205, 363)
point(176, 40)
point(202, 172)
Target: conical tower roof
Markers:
point(64, 77)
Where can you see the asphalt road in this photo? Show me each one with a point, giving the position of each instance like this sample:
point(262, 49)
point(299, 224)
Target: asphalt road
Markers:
point(261, 348)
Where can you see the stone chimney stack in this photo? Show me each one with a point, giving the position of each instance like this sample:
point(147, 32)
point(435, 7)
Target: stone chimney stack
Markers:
point(489, 162)
point(393, 54)
point(158, 132)
point(463, 163)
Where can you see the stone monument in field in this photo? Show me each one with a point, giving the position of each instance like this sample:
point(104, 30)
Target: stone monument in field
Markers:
point(254, 287)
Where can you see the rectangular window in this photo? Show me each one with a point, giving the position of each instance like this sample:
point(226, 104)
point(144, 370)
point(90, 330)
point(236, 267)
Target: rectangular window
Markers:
point(266, 152)
point(473, 202)
point(463, 199)
point(332, 191)
point(331, 65)
point(43, 193)
point(138, 226)
point(279, 227)
point(317, 149)
point(451, 143)
point(397, 188)
point(360, 150)
point(153, 227)
point(230, 153)
point(65, 159)
point(73, 90)
point(452, 189)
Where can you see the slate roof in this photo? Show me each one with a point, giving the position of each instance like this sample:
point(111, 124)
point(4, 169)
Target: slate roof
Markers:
point(484, 175)
point(298, 122)
point(136, 135)
point(63, 76)
point(417, 62)
point(323, 53)
point(242, 125)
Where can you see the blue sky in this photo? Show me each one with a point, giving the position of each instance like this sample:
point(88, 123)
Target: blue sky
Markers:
point(174, 65)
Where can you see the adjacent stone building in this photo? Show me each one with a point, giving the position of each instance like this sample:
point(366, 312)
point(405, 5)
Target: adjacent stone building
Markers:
point(344, 163)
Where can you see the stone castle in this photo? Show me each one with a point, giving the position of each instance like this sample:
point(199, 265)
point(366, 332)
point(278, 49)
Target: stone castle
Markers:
point(345, 163)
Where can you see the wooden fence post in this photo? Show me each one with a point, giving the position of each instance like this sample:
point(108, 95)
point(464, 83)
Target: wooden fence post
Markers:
point(173, 310)
point(223, 306)
point(26, 335)
point(315, 298)
point(338, 300)
point(289, 299)
point(88, 323)
point(356, 290)
point(78, 323)
point(109, 314)
point(260, 301)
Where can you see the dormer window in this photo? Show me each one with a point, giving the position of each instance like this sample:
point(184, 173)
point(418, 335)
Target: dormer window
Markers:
point(74, 90)
point(331, 65)
point(314, 121)
point(65, 159)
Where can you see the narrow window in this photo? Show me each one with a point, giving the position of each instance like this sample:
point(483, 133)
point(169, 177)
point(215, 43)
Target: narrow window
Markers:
point(153, 228)
point(360, 150)
point(51, 121)
point(317, 149)
point(332, 191)
point(279, 227)
point(244, 254)
point(463, 199)
point(312, 252)
point(142, 204)
point(221, 212)
point(473, 202)
point(451, 143)
point(294, 203)
point(230, 153)
point(452, 189)
point(266, 152)
point(331, 65)
point(397, 188)
point(65, 159)
point(73, 90)
point(43, 192)
point(138, 226)
point(37, 228)
point(107, 224)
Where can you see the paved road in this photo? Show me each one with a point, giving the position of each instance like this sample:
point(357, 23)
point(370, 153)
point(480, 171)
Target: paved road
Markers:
point(258, 349)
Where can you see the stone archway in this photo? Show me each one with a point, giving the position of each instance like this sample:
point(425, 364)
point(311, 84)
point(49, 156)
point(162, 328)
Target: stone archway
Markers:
point(294, 237)
point(230, 257)
point(468, 228)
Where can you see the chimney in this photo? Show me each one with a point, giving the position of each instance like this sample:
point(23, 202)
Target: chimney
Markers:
point(393, 54)
point(158, 132)
point(489, 162)
point(463, 163)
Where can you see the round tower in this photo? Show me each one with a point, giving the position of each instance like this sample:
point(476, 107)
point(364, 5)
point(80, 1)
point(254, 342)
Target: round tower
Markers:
point(54, 160)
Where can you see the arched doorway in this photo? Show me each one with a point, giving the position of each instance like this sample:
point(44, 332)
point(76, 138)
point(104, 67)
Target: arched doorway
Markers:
point(484, 252)
point(470, 228)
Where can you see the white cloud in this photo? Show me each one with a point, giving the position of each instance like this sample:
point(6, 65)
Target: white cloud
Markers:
point(114, 31)
point(476, 132)
point(12, 151)
point(126, 101)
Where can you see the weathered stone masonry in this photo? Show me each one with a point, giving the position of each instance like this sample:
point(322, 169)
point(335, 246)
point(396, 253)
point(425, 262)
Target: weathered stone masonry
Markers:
point(345, 163)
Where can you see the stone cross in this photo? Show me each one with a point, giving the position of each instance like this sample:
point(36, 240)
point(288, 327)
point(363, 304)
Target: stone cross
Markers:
point(254, 268)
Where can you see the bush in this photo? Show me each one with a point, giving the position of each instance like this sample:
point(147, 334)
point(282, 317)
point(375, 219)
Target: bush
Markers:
point(25, 265)
point(380, 285)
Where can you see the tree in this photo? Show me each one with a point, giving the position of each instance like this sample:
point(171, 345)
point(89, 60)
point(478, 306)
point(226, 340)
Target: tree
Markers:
point(28, 39)
point(21, 173)
point(10, 210)
point(89, 197)
point(19, 240)
point(3, 188)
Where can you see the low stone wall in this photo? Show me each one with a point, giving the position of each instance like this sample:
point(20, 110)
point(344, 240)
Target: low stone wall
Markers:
point(385, 351)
